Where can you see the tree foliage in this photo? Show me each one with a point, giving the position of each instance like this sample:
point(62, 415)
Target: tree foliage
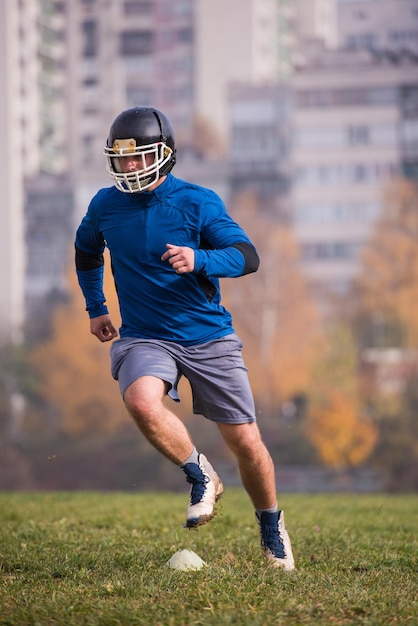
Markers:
point(387, 287)
point(15, 470)
point(273, 311)
point(380, 312)
point(341, 432)
point(341, 437)
point(386, 316)
point(73, 368)
point(396, 453)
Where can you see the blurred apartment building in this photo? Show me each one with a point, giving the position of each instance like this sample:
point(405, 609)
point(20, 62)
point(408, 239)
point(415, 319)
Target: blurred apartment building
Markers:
point(261, 145)
point(49, 195)
point(11, 182)
point(19, 127)
point(33, 123)
point(355, 128)
point(389, 25)
point(347, 122)
point(260, 114)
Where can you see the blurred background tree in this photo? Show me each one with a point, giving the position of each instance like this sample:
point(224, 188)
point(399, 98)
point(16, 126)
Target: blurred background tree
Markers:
point(273, 311)
point(15, 468)
point(341, 431)
point(279, 324)
point(386, 291)
point(73, 367)
point(384, 317)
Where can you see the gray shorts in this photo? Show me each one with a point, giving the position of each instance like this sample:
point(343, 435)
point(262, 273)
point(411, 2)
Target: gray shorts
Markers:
point(215, 370)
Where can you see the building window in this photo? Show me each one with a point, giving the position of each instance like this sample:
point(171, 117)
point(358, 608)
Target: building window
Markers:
point(330, 250)
point(335, 213)
point(90, 81)
point(185, 8)
point(138, 65)
point(180, 8)
point(409, 133)
point(90, 47)
point(358, 135)
point(137, 7)
point(318, 98)
point(363, 40)
point(185, 35)
point(350, 96)
point(88, 149)
point(382, 95)
point(139, 96)
point(136, 42)
point(409, 101)
point(410, 170)
point(341, 174)
point(403, 38)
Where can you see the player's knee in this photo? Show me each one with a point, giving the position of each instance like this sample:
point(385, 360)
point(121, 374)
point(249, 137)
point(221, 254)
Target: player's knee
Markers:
point(242, 438)
point(144, 397)
point(143, 407)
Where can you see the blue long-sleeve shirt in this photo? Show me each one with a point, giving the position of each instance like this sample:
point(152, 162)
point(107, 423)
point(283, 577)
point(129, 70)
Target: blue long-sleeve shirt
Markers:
point(154, 301)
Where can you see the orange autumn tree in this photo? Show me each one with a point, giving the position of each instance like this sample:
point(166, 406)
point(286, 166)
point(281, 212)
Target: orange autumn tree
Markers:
point(387, 286)
point(342, 434)
point(73, 367)
point(385, 292)
point(273, 311)
point(341, 437)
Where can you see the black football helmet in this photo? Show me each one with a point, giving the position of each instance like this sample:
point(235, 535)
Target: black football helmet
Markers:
point(140, 131)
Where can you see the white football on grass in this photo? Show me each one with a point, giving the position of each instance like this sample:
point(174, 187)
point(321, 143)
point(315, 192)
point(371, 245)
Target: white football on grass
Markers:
point(185, 559)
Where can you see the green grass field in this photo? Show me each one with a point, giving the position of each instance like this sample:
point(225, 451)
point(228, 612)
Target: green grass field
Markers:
point(99, 559)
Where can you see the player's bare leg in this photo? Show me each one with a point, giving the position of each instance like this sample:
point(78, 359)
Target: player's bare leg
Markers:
point(167, 433)
point(258, 477)
point(164, 430)
point(254, 462)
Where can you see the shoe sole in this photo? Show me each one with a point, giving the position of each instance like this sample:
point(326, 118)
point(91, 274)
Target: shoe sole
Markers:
point(204, 519)
point(283, 564)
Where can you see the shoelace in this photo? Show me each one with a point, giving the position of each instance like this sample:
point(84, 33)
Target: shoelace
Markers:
point(271, 539)
point(198, 481)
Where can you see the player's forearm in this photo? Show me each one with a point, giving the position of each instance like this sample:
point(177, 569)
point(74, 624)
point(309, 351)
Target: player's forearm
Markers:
point(91, 283)
point(236, 260)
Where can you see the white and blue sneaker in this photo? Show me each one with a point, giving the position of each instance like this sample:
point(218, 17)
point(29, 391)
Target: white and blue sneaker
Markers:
point(275, 540)
point(206, 489)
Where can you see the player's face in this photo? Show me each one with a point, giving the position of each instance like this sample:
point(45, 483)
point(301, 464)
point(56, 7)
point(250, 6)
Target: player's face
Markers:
point(134, 163)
